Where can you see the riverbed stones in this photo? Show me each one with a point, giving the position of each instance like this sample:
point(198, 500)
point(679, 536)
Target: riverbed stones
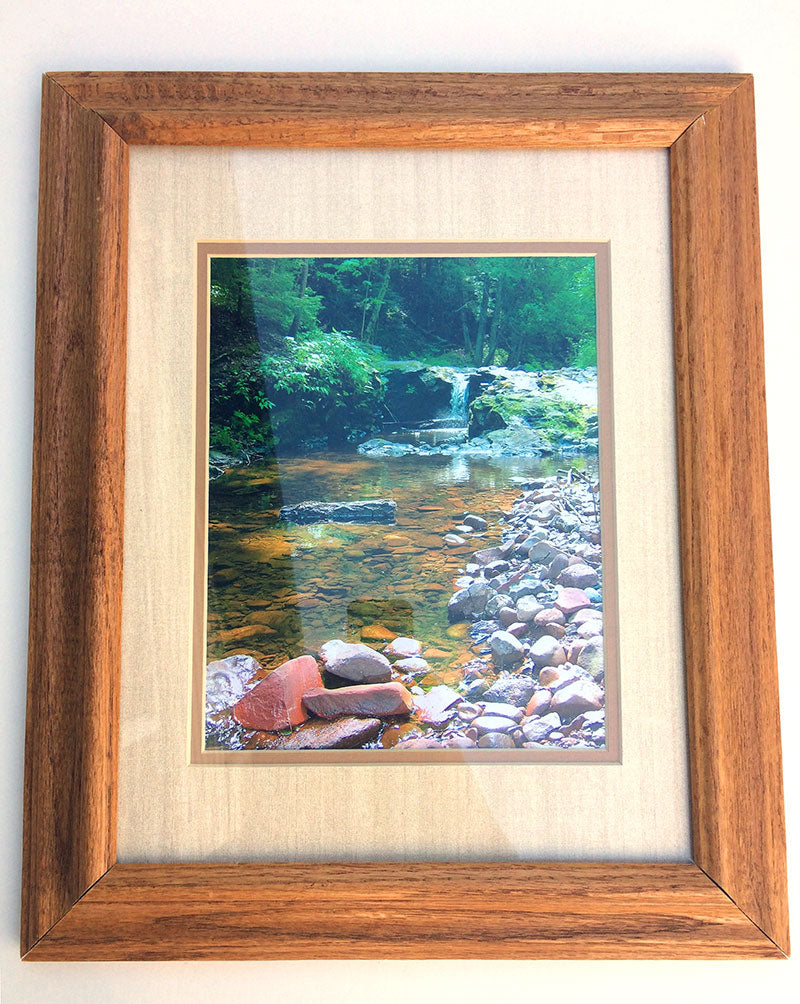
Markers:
point(371, 700)
point(571, 600)
point(507, 616)
point(591, 657)
point(476, 522)
point(227, 680)
point(551, 615)
point(587, 614)
point(469, 603)
point(453, 540)
point(356, 662)
point(546, 651)
point(540, 728)
point(540, 551)
point(493, 723)
point(497, 603)
point(487, 555)
point(403, 648)
point(539, 704)
point(277, 702)
point(508, 689)
point(506, 649)
point(557, 566)
point(527, 608)
point(496, 741)
point(582, 695)
point(578, 576)
point(496, 708)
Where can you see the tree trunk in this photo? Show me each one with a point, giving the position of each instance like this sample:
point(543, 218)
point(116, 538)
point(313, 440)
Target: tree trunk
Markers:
point(477, 358)
point(465, 331)
point(372, 327)
point(295, 327)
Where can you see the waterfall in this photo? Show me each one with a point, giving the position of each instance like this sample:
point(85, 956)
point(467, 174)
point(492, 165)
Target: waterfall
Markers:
point(459, 396)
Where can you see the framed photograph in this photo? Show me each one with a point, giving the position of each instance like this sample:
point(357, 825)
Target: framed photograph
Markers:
point(400, 489)
point(379, 535)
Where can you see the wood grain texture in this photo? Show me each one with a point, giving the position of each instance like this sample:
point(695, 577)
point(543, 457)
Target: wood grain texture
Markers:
point(501, 910)
point(399, 910)
point(400, 109)
point(78, 477)
point(736, 777)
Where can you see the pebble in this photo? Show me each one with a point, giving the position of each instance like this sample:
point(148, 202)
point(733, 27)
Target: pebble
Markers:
point(528, 608)
point(578, 576)
point(506, 649)
point(496, 740)
point(540, 728)
point(547, 652)
point(591, 657)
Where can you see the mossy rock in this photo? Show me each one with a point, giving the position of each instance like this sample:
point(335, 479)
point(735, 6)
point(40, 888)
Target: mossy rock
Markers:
point(552, 416)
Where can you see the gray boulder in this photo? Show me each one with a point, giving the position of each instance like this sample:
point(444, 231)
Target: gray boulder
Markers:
point(356, 662)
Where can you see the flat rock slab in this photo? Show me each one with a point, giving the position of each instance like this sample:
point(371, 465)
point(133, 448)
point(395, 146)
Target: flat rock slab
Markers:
point(341, 734)
point(370, 511)
point(375, 700)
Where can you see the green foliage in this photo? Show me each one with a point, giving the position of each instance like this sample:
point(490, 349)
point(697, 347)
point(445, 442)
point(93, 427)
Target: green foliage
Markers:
point(296, 343)
point(555, 418)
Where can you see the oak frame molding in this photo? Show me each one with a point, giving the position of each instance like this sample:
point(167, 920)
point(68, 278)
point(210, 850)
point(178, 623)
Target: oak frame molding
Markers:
point(77, 902)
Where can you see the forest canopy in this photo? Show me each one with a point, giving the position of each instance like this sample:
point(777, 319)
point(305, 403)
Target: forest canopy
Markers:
point(313, 333)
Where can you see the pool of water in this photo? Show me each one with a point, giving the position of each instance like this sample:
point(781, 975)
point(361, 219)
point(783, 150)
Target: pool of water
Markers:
point(277, 591)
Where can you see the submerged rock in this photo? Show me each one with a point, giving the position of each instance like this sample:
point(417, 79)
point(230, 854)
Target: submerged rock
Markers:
point(369, 511)
point(354, 661)
point(277, 702)
point(403, 648)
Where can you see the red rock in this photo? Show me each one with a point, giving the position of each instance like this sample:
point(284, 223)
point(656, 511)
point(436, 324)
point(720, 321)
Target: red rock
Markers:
point(373, 700)
point(569, 601)
point(277, 702)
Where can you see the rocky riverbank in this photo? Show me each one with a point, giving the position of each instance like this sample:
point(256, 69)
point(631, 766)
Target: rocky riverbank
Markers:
point(530, 605)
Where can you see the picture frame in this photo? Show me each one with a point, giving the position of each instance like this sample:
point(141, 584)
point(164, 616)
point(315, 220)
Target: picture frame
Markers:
point(730, 901)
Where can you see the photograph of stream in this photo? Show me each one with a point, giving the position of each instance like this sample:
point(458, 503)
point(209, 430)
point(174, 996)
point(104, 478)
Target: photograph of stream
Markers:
point(404, 547)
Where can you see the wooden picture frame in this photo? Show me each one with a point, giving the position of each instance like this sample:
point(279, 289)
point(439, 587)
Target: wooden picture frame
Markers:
point(78, 903)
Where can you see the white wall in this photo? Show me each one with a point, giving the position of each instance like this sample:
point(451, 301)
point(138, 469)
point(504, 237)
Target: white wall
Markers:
point(719, 35)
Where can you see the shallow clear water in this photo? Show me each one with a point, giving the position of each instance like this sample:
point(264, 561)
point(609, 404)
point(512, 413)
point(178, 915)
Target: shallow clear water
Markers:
point(276, 591)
